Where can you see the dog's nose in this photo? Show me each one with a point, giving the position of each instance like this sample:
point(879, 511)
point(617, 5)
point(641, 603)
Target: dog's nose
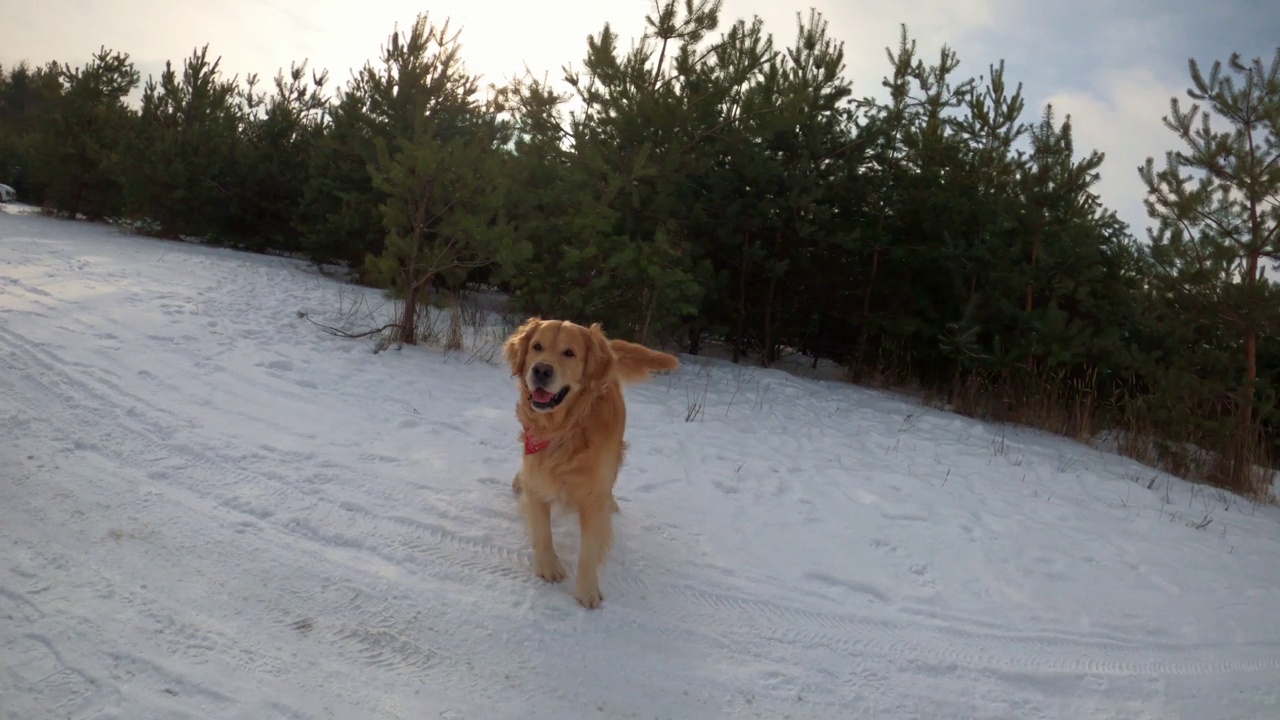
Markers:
point(542, 372)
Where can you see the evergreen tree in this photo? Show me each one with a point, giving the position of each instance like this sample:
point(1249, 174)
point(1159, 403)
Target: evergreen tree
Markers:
point(442, 180)
point(645, 117)
point(278, 135)
point(1071, 314)
point(1217, 208)
point(27, 98)
point(807, 139)
point(183, 155)
point(554, 264)
point(723, 208)
point(930, 222)
point(81, 147)
point(339, 220)
point(382, 104)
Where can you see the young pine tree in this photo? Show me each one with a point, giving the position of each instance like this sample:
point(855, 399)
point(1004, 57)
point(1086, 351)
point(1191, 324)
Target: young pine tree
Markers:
point(1217, 208)
point(28, 97)
point(441, 177)
point(273, 156)
point(554, 265)
point(81, 145)
point(183, 154)
point(646, 116)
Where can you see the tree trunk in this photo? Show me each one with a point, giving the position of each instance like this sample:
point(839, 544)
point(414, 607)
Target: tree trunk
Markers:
point(1256, 245)
point(742, 301)
point(409, 313)
point(767, 351)
point(1250, 344)
point(1035, 249)
point(648, 316)
point(866, 307)
point(820, 336)
point(957, 373)
point(412, 283)
point(871, 282)
point(454, 340)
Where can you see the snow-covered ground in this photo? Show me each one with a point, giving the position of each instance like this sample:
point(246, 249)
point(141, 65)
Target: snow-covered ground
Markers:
point(209, 508)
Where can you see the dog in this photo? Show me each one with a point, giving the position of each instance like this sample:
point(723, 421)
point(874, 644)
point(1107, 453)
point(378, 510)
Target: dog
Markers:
point(573, 416)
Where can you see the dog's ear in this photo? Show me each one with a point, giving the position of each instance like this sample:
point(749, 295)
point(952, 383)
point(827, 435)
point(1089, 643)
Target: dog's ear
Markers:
point(601, 362)
point(517, 346)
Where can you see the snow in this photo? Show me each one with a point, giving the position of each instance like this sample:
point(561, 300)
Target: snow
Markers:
point(210, 508)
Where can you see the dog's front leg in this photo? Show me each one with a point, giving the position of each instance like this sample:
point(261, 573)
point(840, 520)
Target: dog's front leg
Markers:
point(597, 537)
point(537, 518)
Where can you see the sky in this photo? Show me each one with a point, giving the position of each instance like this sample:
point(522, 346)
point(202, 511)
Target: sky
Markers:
point(1113, 66)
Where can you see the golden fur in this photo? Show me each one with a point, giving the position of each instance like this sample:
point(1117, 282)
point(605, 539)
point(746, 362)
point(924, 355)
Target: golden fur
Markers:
point(573, 449)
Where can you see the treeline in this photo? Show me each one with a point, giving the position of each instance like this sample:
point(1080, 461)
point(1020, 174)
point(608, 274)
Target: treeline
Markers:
point(711, 185)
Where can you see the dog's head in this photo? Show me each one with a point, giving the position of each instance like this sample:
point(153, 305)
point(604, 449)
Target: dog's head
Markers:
point(557, 361)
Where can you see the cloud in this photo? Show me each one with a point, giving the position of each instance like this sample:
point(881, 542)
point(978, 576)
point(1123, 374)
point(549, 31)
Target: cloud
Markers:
point(499, 36)
point(1121, 117)
point(1112, 66)
point(868, 27)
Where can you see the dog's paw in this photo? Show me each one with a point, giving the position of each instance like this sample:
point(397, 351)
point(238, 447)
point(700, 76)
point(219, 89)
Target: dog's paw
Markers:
point(549, 568)
point(589, 597)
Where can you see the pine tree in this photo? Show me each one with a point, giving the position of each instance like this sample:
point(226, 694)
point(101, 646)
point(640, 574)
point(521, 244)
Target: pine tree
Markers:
point(382, 104)
point(183, 155)
point(339, 220)
point(1075, 304)
point(646, 115)
point(273, 160)
point(82, 145)
point(554, 264)
point(1217, 205)
point(930, 221)
point(27, 99)
point(806, 139)
point(442, 178)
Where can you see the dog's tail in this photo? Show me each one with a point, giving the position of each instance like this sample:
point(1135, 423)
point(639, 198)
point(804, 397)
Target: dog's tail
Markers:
point(636, 363)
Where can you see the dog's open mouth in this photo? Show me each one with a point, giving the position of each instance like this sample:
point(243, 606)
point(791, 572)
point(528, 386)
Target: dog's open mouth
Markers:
point(544, 400)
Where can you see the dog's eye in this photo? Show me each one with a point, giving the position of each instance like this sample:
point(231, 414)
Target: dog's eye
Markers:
point(537, 347)
point(568, 353)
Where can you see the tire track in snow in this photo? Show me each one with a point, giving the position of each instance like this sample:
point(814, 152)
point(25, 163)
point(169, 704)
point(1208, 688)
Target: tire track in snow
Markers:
point(381, 640)
point(49, 684)
point(366, 637)
point(947, 646)
point(35, 364)
point(125, 674)
point(416, 539)
point(16, 608)
point(726, 618)
point(369, 638)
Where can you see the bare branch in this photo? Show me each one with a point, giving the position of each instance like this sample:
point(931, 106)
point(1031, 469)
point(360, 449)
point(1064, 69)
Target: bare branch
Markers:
point(343, 333)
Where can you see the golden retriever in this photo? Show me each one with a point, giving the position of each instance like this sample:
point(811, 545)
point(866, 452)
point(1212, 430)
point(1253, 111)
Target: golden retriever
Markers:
point(573, 415)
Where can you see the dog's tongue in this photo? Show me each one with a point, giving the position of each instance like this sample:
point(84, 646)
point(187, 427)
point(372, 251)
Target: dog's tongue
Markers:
point(542, 396)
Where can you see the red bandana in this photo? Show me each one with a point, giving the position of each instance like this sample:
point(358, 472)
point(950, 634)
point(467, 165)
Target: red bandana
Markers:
point(533, 445)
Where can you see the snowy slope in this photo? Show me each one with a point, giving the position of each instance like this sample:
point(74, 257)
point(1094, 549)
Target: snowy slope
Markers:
point(211, 509)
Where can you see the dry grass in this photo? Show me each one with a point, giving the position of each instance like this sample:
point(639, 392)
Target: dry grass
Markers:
point(1056, 403)
point(1173, 437)
point(1173, 434)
